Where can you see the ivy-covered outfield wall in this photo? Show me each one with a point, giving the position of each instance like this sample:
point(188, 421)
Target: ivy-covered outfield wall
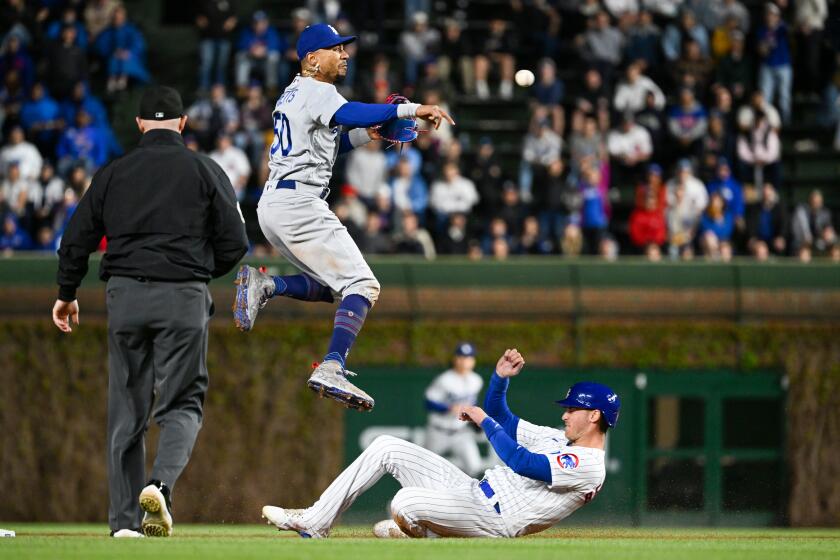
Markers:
point(266, 439)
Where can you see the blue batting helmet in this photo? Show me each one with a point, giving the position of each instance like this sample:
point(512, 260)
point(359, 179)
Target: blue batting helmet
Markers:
point(594, 396)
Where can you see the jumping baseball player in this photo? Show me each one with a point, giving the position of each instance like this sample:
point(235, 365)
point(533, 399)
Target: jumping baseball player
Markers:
point(446, 397)
point(548, 473)
point(295, 217)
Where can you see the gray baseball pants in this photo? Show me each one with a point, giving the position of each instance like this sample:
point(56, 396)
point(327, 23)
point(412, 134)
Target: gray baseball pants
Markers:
point(157, 366)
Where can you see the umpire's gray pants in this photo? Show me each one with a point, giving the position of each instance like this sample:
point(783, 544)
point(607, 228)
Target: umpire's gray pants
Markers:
point(157, 346)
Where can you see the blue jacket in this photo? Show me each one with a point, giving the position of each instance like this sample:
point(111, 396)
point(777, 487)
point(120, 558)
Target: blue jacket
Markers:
point(33, 112)
point(54, 33)
point(779, 54)
point(83, 143)
point(732, 193)
point(592, 212)
point(721, 228)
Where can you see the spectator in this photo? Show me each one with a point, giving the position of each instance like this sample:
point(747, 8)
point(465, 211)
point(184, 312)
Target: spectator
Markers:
point(66, 63)
point(69, 17)
point(513, 211)
point(233, 162)
point(12, 97)
point(715, 230)
point(722, 37)
point(810, 22)
point(259, 47)
point(380, 81)
point(693, 69)
point(767, 223)
point(374, 240)
point(813, 231)
point(647, 223)
point(586, 144)
point(735, 10)
point(48, 195)
point(123, 49)
point(487, 174)
point(257, 122)
point(693, 198)
point(216, 20)
point(602, 45)
point(452, 194)
point(383, 206)
point(301, 18)
point(643, 42)
point(775, 75)
point(542, 146)
point(757, 108)
point(653, 119)
point(455, 61)
point(687, 123)
point(14, 238)
point(630, 148)
point(499, 47)
point(735, 70)
point(14, 56)
point(81, 99)
point(453, 239)
point(682, 219)
point(411, 194)
point(41, 119)
point(98, 15)
point(654, 184)
point(355, 212)
point(82, 144)
point(665, 9)
point(500, 249)
point(595, 96)
point(367, 171)
point(413, 239)
point(17, 191)
point(557, 201)
point(497, 230)
point(631, 94)
point(594, 214)
point(548, 93)
point(730, 190)
point(209, 117)
point(417, 45)
point(24, 154)
point(532, 242)
point(676, 35)
point(759, 152)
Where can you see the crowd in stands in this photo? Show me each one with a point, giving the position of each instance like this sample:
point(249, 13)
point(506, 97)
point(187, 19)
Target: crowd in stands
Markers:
point(681, 103)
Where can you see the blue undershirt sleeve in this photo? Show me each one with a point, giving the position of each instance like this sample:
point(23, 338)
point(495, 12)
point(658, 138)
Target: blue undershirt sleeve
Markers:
point(520, 460)
point(436, 406)
point(495, 405)
point(363, 115)
point(344, 145)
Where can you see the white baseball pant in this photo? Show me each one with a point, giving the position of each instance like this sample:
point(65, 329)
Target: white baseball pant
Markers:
point(310, 236)
point(436, 499)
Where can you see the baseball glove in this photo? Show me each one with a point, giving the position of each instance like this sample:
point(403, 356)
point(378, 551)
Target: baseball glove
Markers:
point(398, 130)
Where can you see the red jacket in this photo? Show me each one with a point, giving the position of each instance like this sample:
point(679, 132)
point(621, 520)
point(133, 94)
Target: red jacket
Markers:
point(646, 227)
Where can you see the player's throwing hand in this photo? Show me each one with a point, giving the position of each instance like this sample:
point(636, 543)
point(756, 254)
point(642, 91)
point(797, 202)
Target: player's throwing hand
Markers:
point(434, 115)
point(510, 364)
point(473, 414)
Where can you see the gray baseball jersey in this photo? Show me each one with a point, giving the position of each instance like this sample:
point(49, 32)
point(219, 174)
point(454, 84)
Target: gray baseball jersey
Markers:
point(305, 145)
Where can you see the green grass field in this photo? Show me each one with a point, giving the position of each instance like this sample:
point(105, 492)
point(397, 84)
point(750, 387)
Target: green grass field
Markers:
point(53, 541)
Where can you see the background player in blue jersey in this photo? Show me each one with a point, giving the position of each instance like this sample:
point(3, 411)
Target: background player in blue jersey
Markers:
point(308, 120)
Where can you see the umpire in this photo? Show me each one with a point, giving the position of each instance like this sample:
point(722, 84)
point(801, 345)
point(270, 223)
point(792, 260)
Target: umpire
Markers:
point(172, 223)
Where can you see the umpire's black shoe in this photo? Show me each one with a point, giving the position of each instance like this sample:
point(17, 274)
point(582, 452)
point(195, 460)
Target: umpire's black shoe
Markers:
point(155, 501)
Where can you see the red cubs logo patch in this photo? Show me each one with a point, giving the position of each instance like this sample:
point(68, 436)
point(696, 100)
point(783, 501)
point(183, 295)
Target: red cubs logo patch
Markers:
point(568, 461)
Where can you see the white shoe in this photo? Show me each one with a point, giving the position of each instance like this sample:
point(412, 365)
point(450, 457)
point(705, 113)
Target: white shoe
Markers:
point(388, 529)
point(330, 380)
point(290, 520)
point(506, 90)
point(253, 288)
point(158, 521)
point(482, 90)
point(128, 534)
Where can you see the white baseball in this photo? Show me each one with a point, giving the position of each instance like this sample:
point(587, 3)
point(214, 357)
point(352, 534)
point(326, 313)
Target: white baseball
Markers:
point(524, 78)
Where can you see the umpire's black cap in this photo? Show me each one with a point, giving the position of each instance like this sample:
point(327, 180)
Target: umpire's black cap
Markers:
point(161, 103)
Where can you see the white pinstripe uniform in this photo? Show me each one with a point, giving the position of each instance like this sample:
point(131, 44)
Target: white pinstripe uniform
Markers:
point(444, 431)
point(438, 499)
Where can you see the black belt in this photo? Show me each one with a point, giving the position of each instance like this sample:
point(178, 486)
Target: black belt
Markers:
point(489, 492)
point(286, 184)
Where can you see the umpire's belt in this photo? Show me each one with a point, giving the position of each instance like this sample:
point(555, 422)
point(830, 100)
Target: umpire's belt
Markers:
point(293, 185)
point(489, 492)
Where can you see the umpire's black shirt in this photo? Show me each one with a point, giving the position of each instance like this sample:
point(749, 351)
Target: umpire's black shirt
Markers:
point(169, 214)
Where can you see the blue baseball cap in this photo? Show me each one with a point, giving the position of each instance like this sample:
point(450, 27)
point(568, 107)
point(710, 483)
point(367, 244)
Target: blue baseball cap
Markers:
point(594, 396)
point(465, 349)
point(320, 36)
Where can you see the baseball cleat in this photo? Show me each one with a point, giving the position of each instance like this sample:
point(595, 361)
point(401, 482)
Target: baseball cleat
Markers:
point(154, 500)
point(253, 289)
point(388, 529)
point(330, 380)
point(127, 534)
point(289, 520)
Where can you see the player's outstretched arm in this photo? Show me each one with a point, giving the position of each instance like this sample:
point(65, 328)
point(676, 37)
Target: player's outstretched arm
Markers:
point(520, 460)
point(362, 115)
point(495, 401)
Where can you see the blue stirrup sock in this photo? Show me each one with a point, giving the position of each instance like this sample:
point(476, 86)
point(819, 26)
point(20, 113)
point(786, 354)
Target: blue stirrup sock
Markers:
point(349, 318)
point(302, 287)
